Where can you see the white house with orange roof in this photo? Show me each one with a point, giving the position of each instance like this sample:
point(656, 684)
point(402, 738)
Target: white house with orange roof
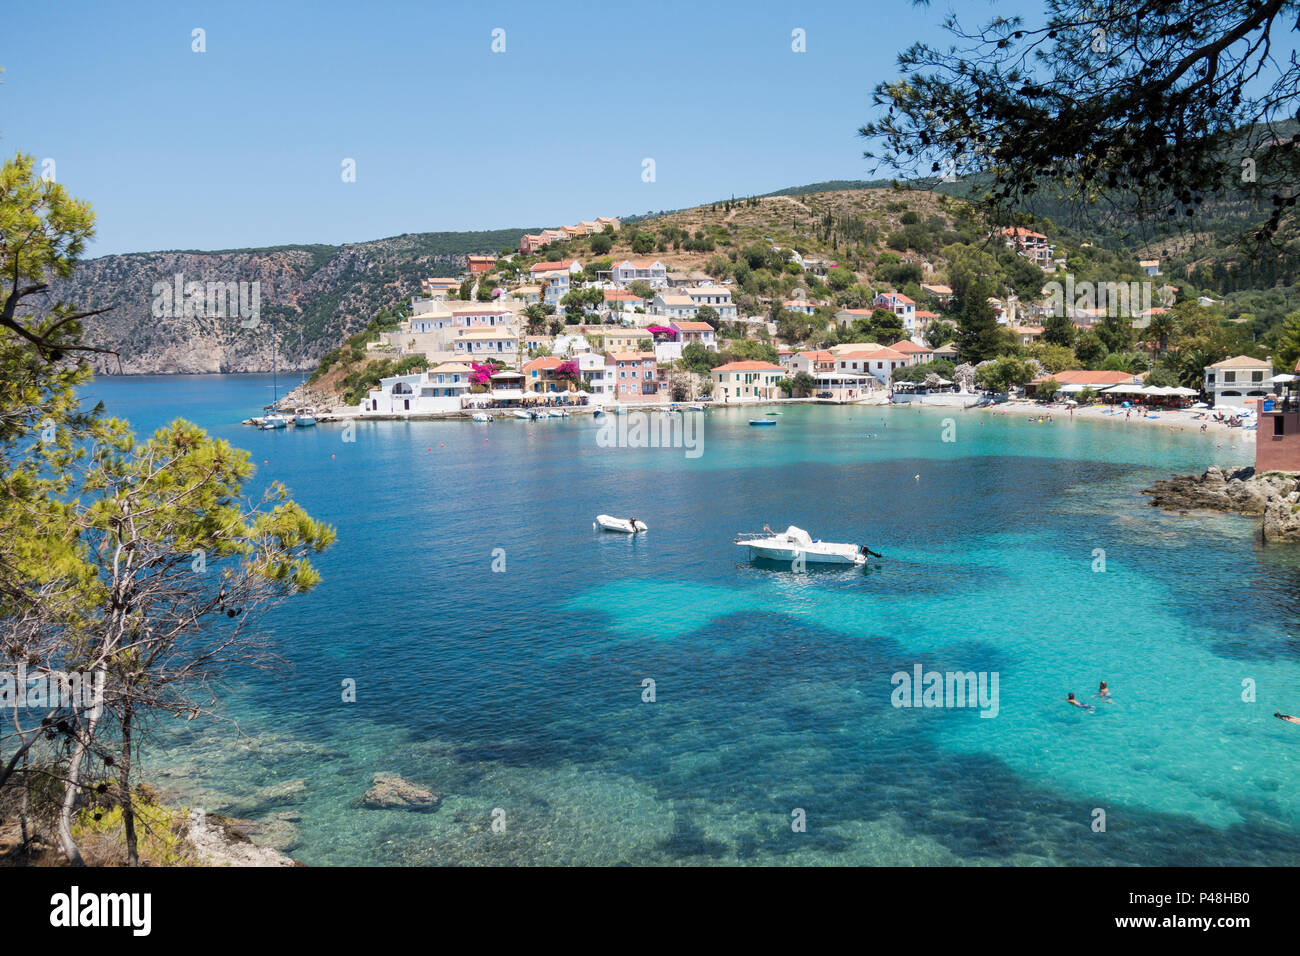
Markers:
point(748, 381)
point(901, 306)
point(620, 300)
point(1032, 245)
point(916, 354)
point(555, 278)
point(876, 362)
point(644, 270)
point(815, 360)
point(539, 376)
point(673, 305)
point(689, 331)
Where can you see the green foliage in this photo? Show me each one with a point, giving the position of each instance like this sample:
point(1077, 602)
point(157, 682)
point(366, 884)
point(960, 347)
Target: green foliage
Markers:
point(918, 373)
point(1002, 373)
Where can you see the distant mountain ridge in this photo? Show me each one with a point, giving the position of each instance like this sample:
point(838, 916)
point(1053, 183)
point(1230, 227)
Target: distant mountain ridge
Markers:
point(310, 297)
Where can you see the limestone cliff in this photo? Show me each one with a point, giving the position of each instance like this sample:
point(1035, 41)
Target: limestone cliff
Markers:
point(308, 299)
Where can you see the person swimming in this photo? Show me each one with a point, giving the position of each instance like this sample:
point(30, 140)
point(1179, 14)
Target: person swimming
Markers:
point(1287, 717)
point(1070, 699)
point(1104, 692)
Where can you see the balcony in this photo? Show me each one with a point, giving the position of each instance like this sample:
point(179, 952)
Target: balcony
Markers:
point(1282, 405)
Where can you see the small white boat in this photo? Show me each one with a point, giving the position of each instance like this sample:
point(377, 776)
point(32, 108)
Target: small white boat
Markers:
point(795, 543)
point(304, 421)
point(273, 421)
point(520, 413)
point(625, 525)
point(481, 417)
point(696, 407)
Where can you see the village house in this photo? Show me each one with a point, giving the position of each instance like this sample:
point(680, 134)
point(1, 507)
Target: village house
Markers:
point(1026, 335)
point(1032, 245)
point(1233, 379)
point(749, 381)
point(633, 376)
point(555, 279)
point(622, 301)
point(593, 368)
point(629, 271)
point(673, 305)
point(716, 296)
point(802, 306)
point(540, 378)
point(901, 306)
point(941, 293)
point(695, 332)
point(614, 339)
point(916, 354)
point(485, 343)
point(440, 389)
point(812, 362)
point(878, 362)
point(439, 287)
point(481, 264)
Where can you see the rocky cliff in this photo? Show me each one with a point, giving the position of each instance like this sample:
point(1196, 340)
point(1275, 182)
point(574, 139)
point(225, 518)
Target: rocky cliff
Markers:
point(306, 298)
point(1275, 496)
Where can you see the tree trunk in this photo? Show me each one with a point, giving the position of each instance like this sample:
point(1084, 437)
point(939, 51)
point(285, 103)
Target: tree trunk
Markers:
point(128, 806)
point(72, 785)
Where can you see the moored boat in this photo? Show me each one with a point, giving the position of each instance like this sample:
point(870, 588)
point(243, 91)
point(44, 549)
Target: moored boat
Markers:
point(795, 544)
point(625, 525)
point(481, 417)
point(757, 422)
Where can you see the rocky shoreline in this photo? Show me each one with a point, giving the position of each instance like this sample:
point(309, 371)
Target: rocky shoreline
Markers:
point(1274, 496)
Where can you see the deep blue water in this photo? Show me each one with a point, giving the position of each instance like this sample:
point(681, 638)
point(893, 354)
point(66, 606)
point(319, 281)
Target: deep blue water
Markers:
point(522, 690)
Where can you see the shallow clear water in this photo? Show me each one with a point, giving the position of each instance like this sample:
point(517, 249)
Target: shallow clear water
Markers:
point(522, 690)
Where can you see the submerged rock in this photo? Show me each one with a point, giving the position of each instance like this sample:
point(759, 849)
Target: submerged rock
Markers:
point(1274, 495)
point(389, 791)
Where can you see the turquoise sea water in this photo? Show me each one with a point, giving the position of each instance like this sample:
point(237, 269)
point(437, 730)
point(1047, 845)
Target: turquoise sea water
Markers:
point(522, 690)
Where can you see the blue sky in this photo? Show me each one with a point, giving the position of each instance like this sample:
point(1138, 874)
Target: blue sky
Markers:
point(243, 145)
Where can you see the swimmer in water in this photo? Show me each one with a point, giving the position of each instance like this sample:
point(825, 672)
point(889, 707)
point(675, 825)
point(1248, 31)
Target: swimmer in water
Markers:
point(1104, 692)
point(1288, 718)
point(1070, 699)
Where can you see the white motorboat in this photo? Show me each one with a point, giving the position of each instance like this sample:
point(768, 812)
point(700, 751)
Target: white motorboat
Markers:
point(520, 413)
point(794, 544)
point(481, 417)
point(696, 407)
point(625, 525)
point(274, 420)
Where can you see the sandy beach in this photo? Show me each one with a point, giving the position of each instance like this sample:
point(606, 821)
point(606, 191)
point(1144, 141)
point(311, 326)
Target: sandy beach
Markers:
point(1183, 419)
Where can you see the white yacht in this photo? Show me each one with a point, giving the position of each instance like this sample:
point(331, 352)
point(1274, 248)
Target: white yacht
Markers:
point(795, 543)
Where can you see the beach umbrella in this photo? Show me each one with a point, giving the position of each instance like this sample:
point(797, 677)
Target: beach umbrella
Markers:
point(1199, 405)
